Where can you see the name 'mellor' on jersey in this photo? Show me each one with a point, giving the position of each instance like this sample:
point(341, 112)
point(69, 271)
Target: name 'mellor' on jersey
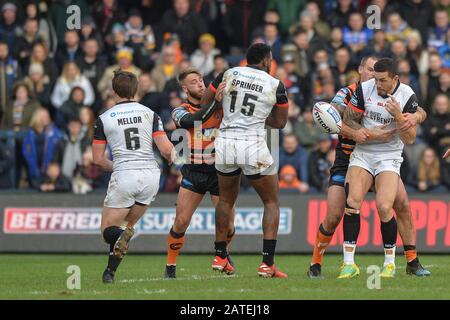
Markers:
point(367, 100)
point(129, 128)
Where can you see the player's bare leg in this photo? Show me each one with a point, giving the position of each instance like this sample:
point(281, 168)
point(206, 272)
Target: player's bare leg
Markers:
point(187, 202)
point(335, 211)
point(121, 245)
point(386, 184)
point(112, 219)
point(406, 230)
point(231, 231)
point(228, 190)
point(358, 183)
point(267, 188)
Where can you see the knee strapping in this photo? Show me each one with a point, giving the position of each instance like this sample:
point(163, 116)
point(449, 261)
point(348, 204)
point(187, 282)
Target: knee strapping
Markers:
point(111, 234)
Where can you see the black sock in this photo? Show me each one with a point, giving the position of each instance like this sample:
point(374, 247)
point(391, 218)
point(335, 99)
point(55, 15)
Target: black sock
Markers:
point(176, 235)
point(111, 234)
point(352, 224)
point(389, 233)
point(268, 251)
point(325, 232)
point(221, 249)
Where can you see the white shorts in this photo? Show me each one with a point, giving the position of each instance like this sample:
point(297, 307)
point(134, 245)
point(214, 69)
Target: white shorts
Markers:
point(127, 187)
point(251, 156)
point(376, 163)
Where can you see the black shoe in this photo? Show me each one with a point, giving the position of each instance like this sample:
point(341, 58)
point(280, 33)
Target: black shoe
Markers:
point(108, 276)
point(315, 271)
point(171, 272)
point(415, 268)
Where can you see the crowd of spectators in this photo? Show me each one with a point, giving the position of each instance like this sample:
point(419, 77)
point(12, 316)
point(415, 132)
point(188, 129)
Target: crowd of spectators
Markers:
point(54, 82)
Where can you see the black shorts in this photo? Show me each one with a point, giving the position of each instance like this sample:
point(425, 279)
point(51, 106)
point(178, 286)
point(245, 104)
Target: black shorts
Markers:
point(200, 181)
point(339, 169)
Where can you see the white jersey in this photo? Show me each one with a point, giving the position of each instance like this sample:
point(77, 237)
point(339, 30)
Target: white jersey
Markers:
point(248, 98)
point(129, 128)
point(367, 100)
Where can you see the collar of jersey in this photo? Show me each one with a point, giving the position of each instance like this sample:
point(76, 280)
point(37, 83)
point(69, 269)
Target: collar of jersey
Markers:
point(255, 67)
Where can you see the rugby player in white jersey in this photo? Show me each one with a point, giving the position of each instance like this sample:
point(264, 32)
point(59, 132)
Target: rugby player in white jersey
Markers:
point(336, 193)
point(251, 99)
point(130, 129)
point(379, 101)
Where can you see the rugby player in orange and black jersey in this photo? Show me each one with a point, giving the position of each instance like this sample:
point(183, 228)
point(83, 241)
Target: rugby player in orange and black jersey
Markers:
point(336, 197)
point(199, 172)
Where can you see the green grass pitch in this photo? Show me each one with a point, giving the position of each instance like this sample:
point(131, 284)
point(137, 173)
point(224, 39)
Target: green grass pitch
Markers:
point(32, 276)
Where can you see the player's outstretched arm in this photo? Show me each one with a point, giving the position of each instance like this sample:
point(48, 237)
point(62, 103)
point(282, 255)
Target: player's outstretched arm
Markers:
point(99, 155)
point(187, 120)
point(352, 118)
point(165, 147)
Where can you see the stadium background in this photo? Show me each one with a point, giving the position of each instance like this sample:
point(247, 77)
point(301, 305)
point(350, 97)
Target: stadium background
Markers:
point(54, 82)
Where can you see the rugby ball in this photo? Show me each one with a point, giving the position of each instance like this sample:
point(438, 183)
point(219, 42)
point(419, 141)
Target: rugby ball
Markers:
point(327, 117)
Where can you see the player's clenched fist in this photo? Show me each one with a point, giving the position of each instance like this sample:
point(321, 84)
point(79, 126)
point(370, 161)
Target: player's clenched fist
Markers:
point(393, 107)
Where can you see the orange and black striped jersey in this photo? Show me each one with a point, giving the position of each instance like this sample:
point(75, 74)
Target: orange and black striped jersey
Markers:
point(201, 138)
point(345, 146)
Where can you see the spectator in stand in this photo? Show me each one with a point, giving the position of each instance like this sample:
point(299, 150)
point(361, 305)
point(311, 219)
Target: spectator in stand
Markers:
point(272, 39)
point(70, 51)
point(140, 38)
point(203, 58)
point(70, 78)
point(39, 54)
point(92, 65)
point(417, 53)
point(9, 73)
point(45, 28)
point(437, 126)
point(301, 51)
point(319, 166)
point(53, 180)
point(87, 119)
point(39, 85)
point(166, 69)
point(186, 23)
point(289, 181)
point(429, 177)
point(438, 34)
point(220, 65)
point(125, 63)
point(306, 131)
point(106, 14)
point(21, 107)
point(343, 66)
point(307, 24)
point(289, 11)
point(397, 28)
point(419, 15)
point(340, 16)
point(294, 154)
point(89, 176)
point(6, 165)
point(378, 45)
point(89, 31)
point(356, 35)
point(434, 71)
point(322, 28)
point(26, 41)
point(404, 70)
point(152, 99)
point(70, 108)
point(73, 145)
point(271, 16)
point(9, 27)
point(40, 144)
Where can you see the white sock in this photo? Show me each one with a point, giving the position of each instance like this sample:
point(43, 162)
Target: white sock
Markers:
point(349, 253)
point(389, 256)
